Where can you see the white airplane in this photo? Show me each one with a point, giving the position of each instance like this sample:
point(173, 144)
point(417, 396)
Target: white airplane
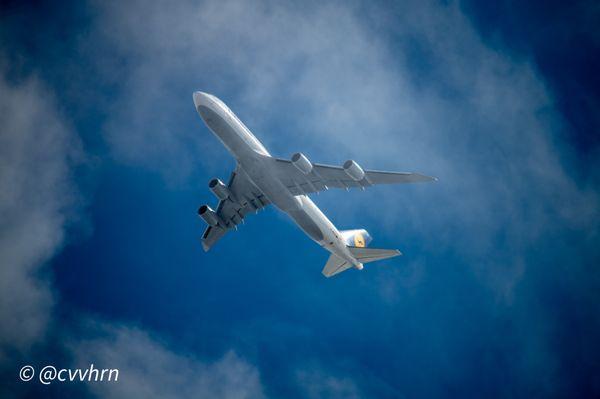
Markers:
point(260, 179)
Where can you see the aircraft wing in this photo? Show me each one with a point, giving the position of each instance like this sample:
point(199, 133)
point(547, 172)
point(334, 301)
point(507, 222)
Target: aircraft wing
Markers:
point(323, 177)
point(247, 198)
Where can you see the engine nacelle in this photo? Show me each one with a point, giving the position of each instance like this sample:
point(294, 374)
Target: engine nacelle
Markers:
point(302, 163)
point(209, 215)
point(220, 190)
point(353, 170)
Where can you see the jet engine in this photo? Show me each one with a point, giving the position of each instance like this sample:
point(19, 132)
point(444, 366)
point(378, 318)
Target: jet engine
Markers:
point(302, 163)
point(352, 169)
point(220, 190)
point(209, 215)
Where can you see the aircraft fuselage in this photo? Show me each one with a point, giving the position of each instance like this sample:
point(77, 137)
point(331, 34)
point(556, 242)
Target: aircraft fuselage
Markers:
point(254, 159)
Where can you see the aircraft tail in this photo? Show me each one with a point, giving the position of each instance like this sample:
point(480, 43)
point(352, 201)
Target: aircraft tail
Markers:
point(356, 237)
point(336, 265)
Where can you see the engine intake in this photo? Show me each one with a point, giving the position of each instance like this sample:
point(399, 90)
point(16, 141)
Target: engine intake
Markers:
point(302, 163)
point(220, 190)
point(353, 170)
point(209, 216)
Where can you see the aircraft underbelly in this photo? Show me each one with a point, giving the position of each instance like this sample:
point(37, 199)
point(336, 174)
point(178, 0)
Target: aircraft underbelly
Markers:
point(277, 193)
point(307, 224)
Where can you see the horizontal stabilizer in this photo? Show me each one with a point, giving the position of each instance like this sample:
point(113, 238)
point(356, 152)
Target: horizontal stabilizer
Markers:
point(335, 265)
point(366, 255)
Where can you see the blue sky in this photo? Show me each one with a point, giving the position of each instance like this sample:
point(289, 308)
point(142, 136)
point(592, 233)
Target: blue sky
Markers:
point(104, 162)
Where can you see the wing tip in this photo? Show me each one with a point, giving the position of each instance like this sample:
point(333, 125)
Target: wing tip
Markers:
point(425, 178)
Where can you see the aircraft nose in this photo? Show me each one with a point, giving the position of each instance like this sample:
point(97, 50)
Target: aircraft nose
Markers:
point(200, 98)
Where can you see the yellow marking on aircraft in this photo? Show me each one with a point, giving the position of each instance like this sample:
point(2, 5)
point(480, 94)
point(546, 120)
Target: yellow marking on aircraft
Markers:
point(359, 241)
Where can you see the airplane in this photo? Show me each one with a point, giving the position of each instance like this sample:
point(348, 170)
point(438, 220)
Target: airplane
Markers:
point(260, 179)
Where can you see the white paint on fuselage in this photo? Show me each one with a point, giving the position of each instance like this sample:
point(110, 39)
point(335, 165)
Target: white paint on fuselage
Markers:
point(254, 160)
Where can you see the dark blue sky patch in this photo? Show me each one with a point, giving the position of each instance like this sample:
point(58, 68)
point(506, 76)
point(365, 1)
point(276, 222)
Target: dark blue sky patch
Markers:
point(562, 40)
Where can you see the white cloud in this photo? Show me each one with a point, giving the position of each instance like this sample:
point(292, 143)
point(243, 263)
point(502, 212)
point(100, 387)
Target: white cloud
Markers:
point(266, 53)
point(149, 369)
point(317, 383)
point(36, 149)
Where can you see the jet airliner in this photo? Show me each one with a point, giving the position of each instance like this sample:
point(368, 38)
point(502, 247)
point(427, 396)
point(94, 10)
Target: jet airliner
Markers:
point(260, 179)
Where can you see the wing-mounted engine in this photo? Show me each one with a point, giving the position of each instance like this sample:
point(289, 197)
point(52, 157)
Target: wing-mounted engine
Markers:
point(237, 199)
point(302, 163)
point(221, 191)
point(210, 216)
point(353, 170)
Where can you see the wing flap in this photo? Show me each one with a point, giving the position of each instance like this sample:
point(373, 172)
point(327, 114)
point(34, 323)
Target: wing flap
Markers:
point(382, 177)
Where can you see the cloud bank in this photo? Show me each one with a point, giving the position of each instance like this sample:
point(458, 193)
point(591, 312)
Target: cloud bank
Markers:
point(150, 369)
point(37, 149)
point(39, 200)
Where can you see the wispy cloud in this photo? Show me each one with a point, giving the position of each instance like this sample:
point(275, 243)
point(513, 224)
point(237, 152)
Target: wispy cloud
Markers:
point(317, 383)
point(36, 151)
point(148, 367)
